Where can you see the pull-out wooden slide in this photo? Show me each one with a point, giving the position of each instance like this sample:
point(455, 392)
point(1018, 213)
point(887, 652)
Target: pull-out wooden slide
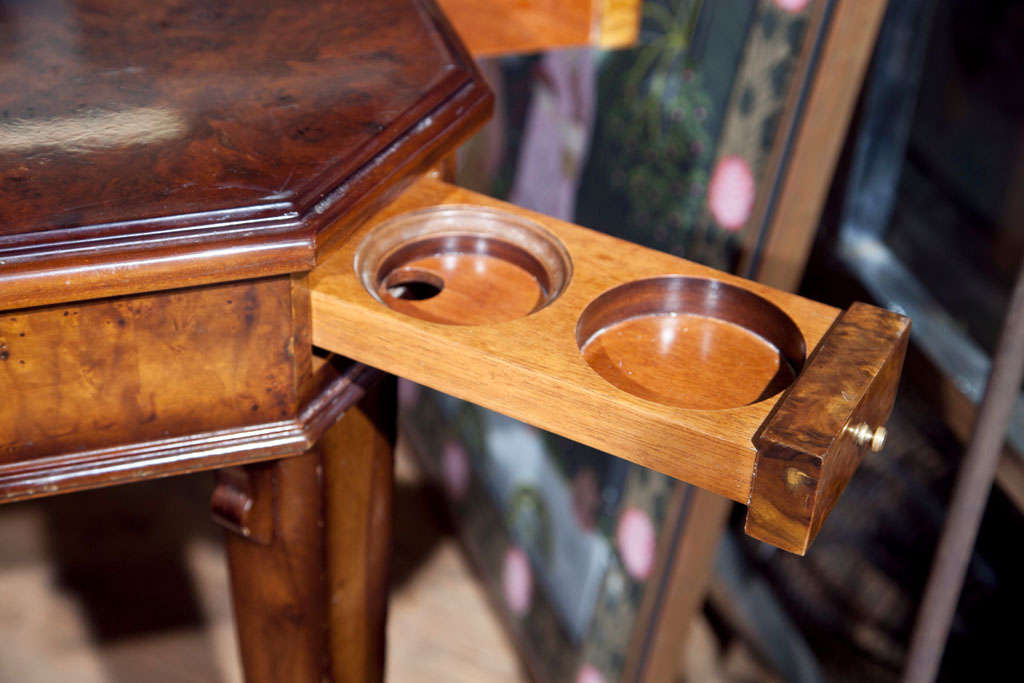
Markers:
point(756, 394)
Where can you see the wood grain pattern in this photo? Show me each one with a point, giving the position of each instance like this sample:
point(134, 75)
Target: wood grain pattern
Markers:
point(690, 342)
point(531, 368)
point(151, 385)
point(140, 368)
point(278, 589)
point(193, 144)
point(504, 27)
point(806, 454)
point(358, 470)
point(310, 588)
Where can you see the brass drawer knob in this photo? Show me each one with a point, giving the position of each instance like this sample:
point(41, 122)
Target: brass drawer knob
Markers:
point(864, 435)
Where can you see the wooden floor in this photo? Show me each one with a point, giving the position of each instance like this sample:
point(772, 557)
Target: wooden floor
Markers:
point(129, 584)
point(95, 620)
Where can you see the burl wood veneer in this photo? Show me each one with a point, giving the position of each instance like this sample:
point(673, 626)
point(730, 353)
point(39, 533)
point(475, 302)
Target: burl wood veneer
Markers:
point(753, 393)
point(169, 171)
point(166, 171)
point(161, 144)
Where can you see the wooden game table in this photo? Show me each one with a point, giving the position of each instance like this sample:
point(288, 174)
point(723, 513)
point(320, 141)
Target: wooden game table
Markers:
point(193, 195)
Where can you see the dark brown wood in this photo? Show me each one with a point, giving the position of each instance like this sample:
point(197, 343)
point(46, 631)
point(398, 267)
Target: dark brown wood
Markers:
point(311, 598)
point(278, 589)
point(358, 471)
point(236, 505)
point(193, 144)
point(807, 447)
point(121, 389)
point(168, 172)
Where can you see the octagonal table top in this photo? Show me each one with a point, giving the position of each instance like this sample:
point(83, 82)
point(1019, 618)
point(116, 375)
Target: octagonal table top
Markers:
point(162, 144)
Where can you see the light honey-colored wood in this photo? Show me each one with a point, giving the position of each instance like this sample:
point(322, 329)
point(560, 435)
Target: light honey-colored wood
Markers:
point(531, 368)
point(503, 27)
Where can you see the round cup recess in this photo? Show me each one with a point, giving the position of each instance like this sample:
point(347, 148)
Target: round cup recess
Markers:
point(690, 342)
point(462, 265)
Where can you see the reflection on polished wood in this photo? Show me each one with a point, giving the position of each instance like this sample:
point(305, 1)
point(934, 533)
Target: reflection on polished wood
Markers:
point(695, 343)
point(688, 361)
point(193, 144)
point(473, 290)
point(531, 368)
point(168, 173)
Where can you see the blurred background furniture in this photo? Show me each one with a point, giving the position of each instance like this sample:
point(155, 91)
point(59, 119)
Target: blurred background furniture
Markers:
point(783, 89)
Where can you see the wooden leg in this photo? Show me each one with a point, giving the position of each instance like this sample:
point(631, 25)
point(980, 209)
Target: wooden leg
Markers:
point(308, 552)
point(359, 474)
point(277, 582)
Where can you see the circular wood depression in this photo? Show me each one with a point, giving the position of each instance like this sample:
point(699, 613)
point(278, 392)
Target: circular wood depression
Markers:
point(462, 265)
point(690, 342)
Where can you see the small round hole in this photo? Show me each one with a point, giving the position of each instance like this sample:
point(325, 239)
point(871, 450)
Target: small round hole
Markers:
point(482, 266)
point(413, 285)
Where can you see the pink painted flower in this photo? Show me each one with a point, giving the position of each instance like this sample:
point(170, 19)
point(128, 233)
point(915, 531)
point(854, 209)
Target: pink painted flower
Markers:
point(408, 393)
point(588, 674)
point(455, 469)
point(517, 581)
point(731, 192)
point(635, 539)
point(792, 5)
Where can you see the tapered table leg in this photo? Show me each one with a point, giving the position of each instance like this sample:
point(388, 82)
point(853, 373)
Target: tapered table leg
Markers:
point(309, 551)
point(358, 456)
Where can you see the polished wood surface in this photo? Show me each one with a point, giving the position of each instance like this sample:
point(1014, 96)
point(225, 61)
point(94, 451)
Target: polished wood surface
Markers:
point(505, 27)
point(531, 367)
point(155, 145)
point(701, 363)
point(110, 390)
point(168, 172)
point(151, 385)
point(358, 470)
point(477, 289)
point(126, 369)
point(310, 596)
point(463, 265)
point(278, 588)
point(690, 342)
point(619, 297)
point(807, 448)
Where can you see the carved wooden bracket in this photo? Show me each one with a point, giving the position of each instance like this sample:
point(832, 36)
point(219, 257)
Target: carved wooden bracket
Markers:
point(240, 504)
point(244, 498)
